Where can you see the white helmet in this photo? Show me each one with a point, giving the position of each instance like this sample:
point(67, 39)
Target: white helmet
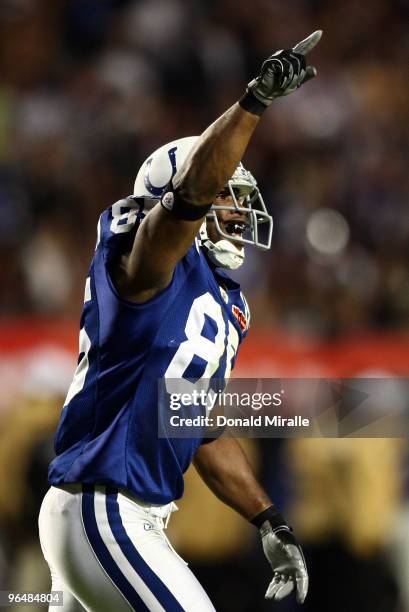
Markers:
point(159, 168)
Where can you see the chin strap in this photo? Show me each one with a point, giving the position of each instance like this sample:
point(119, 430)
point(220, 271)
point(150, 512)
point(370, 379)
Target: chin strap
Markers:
point(224, 254)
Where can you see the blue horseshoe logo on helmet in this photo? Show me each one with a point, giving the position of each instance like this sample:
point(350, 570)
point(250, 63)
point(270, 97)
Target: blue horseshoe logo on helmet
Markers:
point(154, 190)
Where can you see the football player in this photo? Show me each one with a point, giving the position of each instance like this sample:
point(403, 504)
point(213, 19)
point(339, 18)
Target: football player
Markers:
point(158, 304)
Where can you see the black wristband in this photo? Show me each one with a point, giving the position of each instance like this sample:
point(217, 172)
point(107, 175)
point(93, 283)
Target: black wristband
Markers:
point(173, 203)
point(251, 104)
point(272, 516)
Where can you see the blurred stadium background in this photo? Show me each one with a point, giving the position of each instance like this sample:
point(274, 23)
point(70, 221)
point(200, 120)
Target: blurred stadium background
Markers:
point(88, 89)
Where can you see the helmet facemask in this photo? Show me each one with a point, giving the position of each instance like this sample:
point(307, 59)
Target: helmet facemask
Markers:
point(247, 200)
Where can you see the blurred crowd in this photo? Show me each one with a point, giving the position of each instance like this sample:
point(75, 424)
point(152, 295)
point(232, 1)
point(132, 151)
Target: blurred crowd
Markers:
point(90, 88)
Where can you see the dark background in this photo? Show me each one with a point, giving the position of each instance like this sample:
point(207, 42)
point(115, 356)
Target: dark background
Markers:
point(87, 90)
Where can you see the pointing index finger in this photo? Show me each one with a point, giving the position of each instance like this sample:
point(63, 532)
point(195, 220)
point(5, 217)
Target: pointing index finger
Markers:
point(308, 43)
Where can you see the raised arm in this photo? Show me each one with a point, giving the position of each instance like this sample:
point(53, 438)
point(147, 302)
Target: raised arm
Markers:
point(164, 238)
point(169, 230)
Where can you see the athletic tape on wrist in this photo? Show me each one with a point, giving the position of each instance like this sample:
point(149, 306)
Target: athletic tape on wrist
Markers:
point(251, 104)
point(175, 205)
point(272, 516)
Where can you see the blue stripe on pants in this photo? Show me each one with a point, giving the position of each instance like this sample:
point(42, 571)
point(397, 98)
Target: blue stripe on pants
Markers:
point(153, 582)
point(102, 552)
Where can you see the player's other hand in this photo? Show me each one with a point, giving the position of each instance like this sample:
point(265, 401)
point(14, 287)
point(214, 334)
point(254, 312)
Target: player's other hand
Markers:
point(284, 71)
point(284, 555)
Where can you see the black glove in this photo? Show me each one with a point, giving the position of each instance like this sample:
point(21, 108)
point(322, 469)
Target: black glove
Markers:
point(284, 554)
point(281, 73)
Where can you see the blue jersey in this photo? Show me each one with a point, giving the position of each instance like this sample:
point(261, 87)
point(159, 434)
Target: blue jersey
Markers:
point(108, 431)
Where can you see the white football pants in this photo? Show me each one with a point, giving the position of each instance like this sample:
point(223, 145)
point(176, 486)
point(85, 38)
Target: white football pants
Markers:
point(109, 552)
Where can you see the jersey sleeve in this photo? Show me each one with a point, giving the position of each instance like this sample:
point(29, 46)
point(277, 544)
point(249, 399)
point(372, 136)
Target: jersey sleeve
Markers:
point(117, 228)
point(118, 225)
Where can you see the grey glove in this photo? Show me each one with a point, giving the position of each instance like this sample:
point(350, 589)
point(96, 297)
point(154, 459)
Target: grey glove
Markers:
point(285, 556)
point(281, 73)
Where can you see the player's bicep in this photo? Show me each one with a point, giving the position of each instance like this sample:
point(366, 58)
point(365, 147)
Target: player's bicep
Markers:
point(160, 242)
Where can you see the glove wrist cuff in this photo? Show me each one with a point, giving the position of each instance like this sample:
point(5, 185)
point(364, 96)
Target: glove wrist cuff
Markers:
point(251, 104)
point(272, 516)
